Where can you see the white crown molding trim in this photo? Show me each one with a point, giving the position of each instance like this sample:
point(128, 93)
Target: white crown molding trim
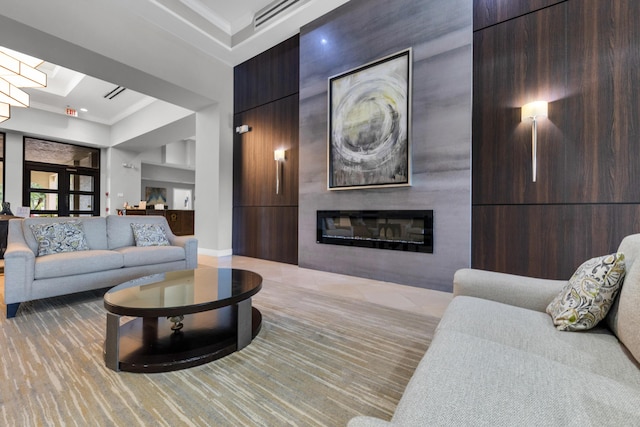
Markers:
point(208, 14)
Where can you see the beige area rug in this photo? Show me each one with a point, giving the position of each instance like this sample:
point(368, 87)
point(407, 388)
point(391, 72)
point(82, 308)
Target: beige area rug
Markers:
point(318, 361)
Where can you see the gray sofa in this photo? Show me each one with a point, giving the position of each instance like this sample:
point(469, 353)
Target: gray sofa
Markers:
point(112, 258)
point(497, 359)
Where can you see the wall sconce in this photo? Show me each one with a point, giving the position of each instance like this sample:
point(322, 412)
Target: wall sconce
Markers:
point(532, 111)
point(242, 129)
point(279, 157)
point(129, 166)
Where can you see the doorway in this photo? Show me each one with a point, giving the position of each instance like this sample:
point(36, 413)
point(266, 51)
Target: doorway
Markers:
point(182, 199)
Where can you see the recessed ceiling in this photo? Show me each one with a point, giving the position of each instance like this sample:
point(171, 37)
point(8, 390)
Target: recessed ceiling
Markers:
point(85, 94)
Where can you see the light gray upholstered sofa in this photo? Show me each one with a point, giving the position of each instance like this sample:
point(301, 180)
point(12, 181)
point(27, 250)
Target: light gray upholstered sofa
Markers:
point(497, 359)
point(112, 258)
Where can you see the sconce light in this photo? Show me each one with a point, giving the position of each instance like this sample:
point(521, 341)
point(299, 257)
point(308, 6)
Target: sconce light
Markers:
point(242, 129)
point(532, 111)
point(279, 157)
point(128, 166)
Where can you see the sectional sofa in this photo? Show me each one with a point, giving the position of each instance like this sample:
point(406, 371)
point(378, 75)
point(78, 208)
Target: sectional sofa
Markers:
point(97, 252)
point(497, 359)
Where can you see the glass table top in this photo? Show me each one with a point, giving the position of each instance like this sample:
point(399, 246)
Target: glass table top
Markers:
point(182, 292)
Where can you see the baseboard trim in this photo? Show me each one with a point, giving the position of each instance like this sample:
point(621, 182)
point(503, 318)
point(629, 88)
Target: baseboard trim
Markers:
point(215, 253)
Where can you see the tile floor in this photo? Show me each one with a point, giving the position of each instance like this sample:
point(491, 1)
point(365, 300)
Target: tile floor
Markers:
point(417, 300)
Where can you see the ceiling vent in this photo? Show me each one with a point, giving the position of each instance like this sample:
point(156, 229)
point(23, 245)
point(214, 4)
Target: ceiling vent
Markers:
point(272, 11)
point(117, 91)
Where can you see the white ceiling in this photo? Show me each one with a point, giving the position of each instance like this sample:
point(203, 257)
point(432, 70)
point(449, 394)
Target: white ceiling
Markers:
point(69, 89)
point(222, 29)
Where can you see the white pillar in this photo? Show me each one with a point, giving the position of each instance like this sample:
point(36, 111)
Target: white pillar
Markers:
point(213, 201)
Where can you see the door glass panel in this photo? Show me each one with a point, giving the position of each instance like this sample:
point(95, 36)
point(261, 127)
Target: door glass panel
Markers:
point(43, 201)
point(80, 202)
point(80, 183)
point(43, 179)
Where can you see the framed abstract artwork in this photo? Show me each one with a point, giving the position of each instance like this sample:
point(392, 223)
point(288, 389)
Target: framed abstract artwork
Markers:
point(369, 119)
point(155, 195)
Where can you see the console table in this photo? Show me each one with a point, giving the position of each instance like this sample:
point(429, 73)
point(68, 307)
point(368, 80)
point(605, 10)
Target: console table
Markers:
point(180, 221)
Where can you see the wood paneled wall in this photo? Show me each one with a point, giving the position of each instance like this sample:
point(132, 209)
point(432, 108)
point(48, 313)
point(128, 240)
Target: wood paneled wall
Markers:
point(265, 223)
point(583, 56)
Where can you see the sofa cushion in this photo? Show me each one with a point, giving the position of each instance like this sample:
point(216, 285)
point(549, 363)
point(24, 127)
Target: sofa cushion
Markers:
point(588, 296)
point(596, 350)
point(59, 237)
point(465, 380)
point(149, 235)
point(74, 263)
point(134, 255)
point(485, 369)
point(95, 230)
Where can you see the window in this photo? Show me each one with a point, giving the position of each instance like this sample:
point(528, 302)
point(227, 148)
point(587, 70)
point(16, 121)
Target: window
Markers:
point(61, 179)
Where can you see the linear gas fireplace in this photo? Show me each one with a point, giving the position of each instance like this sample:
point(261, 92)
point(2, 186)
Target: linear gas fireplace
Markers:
point(408, 230)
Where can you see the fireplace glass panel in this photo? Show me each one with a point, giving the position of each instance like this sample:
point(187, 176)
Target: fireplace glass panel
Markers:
point(407, 230)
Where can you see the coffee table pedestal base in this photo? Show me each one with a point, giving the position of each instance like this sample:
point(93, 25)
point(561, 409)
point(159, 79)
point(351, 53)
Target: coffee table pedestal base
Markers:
point(149, 344)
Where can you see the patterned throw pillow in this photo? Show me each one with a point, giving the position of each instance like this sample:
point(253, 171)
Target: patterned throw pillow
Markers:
point(149, 235)
point(588, 296)
point(59, 237)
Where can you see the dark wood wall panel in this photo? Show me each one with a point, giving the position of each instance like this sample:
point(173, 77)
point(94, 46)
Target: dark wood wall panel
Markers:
point(271, 75)
point(265, 224)
point(491, 12)
point(273, 126)
point(515, 63)
point(582, 56)
point(601, 118)
point(548, 241)
point(267, 233)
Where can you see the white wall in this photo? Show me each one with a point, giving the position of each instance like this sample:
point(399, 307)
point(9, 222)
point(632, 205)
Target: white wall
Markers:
point(13, 170)
point(122, 183)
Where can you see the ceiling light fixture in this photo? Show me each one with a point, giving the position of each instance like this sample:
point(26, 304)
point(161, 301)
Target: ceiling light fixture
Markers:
point(17, 70)
point(5, 112)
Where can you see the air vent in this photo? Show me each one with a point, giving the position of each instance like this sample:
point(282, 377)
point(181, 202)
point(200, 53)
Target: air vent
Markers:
point(117, 91)
point(272, 11)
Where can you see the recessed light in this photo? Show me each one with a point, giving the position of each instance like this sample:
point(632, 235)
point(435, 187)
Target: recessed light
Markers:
point(84, 110)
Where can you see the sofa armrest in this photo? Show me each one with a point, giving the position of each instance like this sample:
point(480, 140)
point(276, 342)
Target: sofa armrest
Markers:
point(363, 421)
point(190, 245)
point(19, 270)
point(521, 291)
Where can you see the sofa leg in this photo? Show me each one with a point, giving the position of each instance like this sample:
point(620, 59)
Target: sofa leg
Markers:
point(12, 309)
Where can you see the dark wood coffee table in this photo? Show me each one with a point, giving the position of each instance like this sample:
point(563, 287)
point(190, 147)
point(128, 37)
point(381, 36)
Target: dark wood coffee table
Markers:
point(183, 319)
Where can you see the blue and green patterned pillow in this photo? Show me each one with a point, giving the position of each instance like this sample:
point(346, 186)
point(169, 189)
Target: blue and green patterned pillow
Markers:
point(59, 237)
point(589, 295)
point(149, 235)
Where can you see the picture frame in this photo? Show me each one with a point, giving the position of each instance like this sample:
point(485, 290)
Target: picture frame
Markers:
point(155, 195)
point(369, 109)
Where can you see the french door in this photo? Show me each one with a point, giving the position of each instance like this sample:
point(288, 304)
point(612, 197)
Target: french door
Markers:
point(55, 190)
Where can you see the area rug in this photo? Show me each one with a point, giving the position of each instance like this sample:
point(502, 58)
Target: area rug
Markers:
point(319, 360)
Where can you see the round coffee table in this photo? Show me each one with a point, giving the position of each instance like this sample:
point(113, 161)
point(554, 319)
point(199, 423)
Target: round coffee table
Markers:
point(183, 319)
